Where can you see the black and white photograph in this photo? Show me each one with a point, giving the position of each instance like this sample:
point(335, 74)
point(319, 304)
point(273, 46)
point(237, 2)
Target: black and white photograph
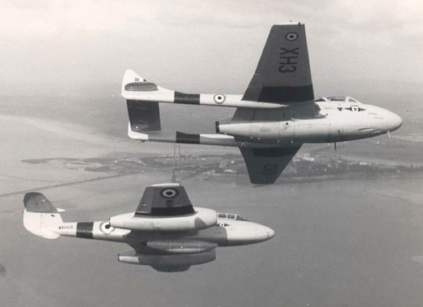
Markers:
point(211, 153)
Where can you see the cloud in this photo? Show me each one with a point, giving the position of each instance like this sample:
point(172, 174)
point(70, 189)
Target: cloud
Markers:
point(396, 16)
point(54, 18)
point(78, 42)
point(45, 17)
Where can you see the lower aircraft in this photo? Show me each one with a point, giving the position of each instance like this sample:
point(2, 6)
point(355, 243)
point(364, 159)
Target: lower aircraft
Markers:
point(166, 232)
point(277, 114)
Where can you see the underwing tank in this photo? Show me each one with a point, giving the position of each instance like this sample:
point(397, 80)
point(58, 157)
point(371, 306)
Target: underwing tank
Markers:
point(168, 262)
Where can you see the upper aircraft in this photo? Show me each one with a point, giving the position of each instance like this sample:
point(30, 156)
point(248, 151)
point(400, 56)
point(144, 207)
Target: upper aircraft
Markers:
point(277, 114)
point(166, 232)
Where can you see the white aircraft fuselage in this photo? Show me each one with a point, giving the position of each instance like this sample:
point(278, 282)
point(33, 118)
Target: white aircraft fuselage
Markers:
point(336, 121)
point(227, 232)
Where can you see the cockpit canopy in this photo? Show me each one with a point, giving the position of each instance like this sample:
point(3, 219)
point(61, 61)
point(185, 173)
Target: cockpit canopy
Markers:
point(231, 216)
point(338, 99)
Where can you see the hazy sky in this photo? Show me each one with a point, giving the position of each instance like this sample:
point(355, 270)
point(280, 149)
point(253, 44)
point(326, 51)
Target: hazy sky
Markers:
point(208, 45)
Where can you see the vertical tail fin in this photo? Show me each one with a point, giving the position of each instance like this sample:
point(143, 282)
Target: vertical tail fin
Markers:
point(144, 115)
point(40, 216)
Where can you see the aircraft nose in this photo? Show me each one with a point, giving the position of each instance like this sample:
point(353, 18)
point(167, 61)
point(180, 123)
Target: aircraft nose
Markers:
point(264, 233)
point(270, 233)
point(242, 233)
point(395, 121)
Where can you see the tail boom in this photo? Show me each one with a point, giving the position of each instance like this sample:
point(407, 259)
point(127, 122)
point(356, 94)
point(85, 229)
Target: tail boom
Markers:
point(136, 88)
point(199, 139)
point(44, 220)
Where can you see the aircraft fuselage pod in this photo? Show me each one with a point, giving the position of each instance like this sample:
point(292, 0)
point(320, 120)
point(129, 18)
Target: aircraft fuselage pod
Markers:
point(226, 232)
point(338, 119)
point(168, 241)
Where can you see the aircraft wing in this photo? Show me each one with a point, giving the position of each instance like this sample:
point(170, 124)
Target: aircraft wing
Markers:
point(264, 165)
point(169, 199)
point(283, 73)
point(282, 77)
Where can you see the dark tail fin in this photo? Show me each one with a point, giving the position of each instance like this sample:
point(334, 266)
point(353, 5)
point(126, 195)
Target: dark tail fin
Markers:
point(144, 115)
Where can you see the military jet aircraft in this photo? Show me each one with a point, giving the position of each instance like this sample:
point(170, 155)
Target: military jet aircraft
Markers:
point(277, 114)
point(166, 232)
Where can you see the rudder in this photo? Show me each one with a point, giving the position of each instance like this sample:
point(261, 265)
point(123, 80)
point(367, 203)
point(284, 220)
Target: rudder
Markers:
point(40, 216)
point(144, 115)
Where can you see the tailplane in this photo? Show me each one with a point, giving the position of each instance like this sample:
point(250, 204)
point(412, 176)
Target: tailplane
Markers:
point(40, 216)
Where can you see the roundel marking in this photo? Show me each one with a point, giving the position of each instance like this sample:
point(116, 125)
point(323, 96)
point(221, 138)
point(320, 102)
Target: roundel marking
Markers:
point(169, 193)
point(292, 36)
point(219, 99)
point(106, 229)
point(354, 109)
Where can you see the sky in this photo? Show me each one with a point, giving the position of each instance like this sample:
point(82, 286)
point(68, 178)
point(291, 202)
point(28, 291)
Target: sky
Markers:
point(344, 242)
point(64, 47)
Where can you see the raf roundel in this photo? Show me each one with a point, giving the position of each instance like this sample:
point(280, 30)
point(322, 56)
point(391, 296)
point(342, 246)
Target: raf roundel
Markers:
point(106, 228)
point(219, 99)
point(291, 36)
point(169, 193)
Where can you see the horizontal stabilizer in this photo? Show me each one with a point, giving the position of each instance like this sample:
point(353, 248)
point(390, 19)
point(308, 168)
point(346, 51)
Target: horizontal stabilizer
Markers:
point(141, 86)
point(131, 76)
point(134, 87)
